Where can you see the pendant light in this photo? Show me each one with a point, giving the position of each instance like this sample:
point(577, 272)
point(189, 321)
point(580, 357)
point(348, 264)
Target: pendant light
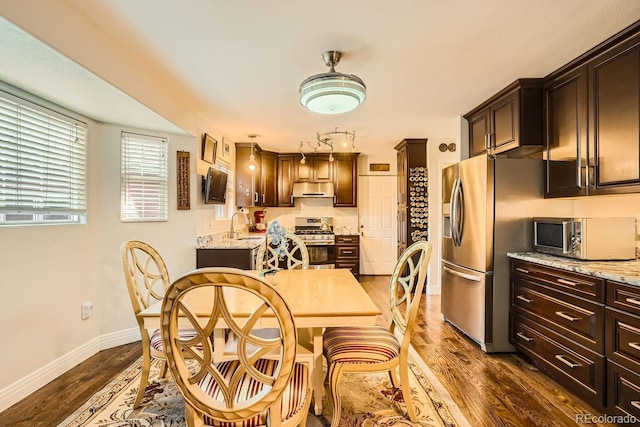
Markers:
point(332, 92)
point(252, 158)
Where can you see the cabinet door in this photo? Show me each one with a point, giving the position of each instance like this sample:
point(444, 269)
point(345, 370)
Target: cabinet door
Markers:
point(346, 180)
point(268, 179)
point(323, 168)
point(303, 172)
point(402, 176)
point(565, 155)
point(479, 131)
point(286, 165)
point(246, 180)
point(615, 119)
point(504, 123)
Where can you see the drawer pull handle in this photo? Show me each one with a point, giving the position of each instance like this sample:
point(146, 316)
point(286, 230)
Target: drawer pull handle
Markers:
point(524, 337)
point(566, 282)
point(521, 298)
point(569, 363)
point(566, 316)
point(636, 404)
point(635, 346)
point(633, 301)
point(522, 270)
point(347, 252)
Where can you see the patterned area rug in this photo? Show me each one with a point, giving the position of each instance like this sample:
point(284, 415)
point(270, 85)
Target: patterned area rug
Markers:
point(368, 401)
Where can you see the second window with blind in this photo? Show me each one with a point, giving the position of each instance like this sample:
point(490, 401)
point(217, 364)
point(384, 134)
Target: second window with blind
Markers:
point(144, 178)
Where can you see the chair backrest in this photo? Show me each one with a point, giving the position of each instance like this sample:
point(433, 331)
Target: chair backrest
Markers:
point(146, 274)
point(296, 256)
point(407, 285)
point(208, 297)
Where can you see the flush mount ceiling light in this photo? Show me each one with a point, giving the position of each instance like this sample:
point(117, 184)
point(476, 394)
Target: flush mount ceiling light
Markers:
point(332, 92)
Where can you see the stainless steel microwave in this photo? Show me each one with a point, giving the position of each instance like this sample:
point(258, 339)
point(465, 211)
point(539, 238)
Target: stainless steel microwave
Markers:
point(586, 238)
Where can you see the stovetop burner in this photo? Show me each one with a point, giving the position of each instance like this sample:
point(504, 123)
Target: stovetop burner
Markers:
point(308, 232)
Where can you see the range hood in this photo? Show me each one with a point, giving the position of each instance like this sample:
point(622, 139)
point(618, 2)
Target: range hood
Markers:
point(312, 189)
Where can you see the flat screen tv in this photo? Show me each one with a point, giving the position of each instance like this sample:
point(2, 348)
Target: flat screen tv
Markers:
point(214, 187)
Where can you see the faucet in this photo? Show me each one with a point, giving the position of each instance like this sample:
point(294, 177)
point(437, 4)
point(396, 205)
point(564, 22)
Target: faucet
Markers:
point(246, 221)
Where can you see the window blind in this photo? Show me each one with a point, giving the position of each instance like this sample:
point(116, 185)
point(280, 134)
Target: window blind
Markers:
point(144, 178)
point(42, 164)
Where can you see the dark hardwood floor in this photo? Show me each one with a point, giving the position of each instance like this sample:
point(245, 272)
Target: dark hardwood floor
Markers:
point(491, 390)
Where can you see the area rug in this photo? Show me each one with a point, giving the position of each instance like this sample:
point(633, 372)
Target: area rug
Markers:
point(367, 400)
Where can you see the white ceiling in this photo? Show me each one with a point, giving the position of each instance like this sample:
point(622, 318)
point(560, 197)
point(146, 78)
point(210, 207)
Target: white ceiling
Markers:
point(424, 62)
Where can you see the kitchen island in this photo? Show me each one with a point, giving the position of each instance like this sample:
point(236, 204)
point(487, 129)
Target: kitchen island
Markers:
point(239, 252)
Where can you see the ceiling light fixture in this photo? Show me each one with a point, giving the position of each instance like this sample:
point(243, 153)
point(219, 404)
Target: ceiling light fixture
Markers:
point(252, 159)
point(343, 138)
point(332, 92)
point(303, 160)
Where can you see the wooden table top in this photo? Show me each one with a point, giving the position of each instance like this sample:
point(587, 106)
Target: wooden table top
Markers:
point(317, 298)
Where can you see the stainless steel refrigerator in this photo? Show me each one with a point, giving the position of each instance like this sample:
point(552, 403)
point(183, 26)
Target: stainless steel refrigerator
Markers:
point(487, 208)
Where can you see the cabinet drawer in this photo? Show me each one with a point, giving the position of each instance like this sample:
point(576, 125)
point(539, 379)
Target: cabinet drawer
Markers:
point(578, 319)
point(582, 285)
point(623, 390)
point(348, 239)
point(572, 366)
point(354, 266)
point(346, 252)
point(623, 338)
point(623, 296)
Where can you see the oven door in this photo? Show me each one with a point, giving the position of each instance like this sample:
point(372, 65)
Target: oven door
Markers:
point(321, 256)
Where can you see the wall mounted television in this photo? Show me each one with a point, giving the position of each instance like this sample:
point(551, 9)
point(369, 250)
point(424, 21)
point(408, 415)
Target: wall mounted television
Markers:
point(214, 187)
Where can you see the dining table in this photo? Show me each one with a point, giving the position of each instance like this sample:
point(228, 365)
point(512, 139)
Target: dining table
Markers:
point(317, 298)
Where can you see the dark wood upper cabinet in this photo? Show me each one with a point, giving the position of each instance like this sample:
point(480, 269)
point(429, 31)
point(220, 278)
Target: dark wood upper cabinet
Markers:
point(566, 134)
point(345, 179)
point(286, 166)
point(592, 115)
point(268, 179)
point(316, 168)
point(509, 122)
point(247, 182)
point(615, 119)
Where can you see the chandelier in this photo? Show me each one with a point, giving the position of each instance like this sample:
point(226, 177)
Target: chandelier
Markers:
point(332, 92)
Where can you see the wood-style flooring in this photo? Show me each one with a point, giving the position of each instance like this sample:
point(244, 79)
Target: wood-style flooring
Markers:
point(491, 390)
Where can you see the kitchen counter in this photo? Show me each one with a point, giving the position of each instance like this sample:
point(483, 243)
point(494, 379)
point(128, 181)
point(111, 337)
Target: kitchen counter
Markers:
point(620, 271)
point(245, 241)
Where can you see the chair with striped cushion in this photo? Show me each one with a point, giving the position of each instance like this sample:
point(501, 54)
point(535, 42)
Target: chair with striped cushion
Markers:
point(296, 256)
point(147, 280)
point(263, 385)
point(378, 348)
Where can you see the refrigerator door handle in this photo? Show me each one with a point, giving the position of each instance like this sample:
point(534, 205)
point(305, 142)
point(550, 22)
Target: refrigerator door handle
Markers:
point(463, 275)
point(460, 206)
point(454, 212)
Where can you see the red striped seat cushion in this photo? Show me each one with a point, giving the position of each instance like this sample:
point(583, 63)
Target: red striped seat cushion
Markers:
point(156, 338)
point(292, 401)
point(373, 344)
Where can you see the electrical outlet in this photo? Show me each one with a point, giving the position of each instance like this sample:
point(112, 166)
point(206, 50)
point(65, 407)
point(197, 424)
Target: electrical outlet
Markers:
point(87, 310)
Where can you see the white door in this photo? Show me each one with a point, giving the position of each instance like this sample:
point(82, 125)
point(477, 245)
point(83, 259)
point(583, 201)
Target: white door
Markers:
point(377, 207)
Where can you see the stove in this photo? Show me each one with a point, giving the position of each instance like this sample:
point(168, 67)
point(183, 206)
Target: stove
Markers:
point(315, 231)
point(317, 235)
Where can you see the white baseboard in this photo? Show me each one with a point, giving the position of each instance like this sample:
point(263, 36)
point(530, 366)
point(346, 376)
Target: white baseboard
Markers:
point(20, 389)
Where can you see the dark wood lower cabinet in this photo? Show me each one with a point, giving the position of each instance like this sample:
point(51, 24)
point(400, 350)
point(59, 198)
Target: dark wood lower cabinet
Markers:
point(348, 253)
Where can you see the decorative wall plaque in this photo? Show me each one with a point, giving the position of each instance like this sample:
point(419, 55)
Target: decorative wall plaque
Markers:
point(379, 167)
point(182, 174)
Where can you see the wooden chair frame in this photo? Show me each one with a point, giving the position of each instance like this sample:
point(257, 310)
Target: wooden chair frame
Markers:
point(200, 406)
point(147, 279)
point(267, 257)
point(405, 292)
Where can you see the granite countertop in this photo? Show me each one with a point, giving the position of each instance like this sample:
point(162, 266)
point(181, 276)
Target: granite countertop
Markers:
point(620, 271)
point(244, 241)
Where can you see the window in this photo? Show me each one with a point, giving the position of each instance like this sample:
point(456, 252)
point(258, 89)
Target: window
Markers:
point(144, 178)
point(42, 164)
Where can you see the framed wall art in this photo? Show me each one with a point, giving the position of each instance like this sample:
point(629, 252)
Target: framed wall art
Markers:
point(226, 149)
point(182, 175)
point(209, 148)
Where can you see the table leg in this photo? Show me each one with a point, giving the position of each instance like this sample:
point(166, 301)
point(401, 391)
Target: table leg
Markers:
point(318, 380)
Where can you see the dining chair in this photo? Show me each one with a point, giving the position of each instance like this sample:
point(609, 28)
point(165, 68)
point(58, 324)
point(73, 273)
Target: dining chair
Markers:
point(147, 279)
point(380, 348)
point(263, 385)
point(296, 255)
